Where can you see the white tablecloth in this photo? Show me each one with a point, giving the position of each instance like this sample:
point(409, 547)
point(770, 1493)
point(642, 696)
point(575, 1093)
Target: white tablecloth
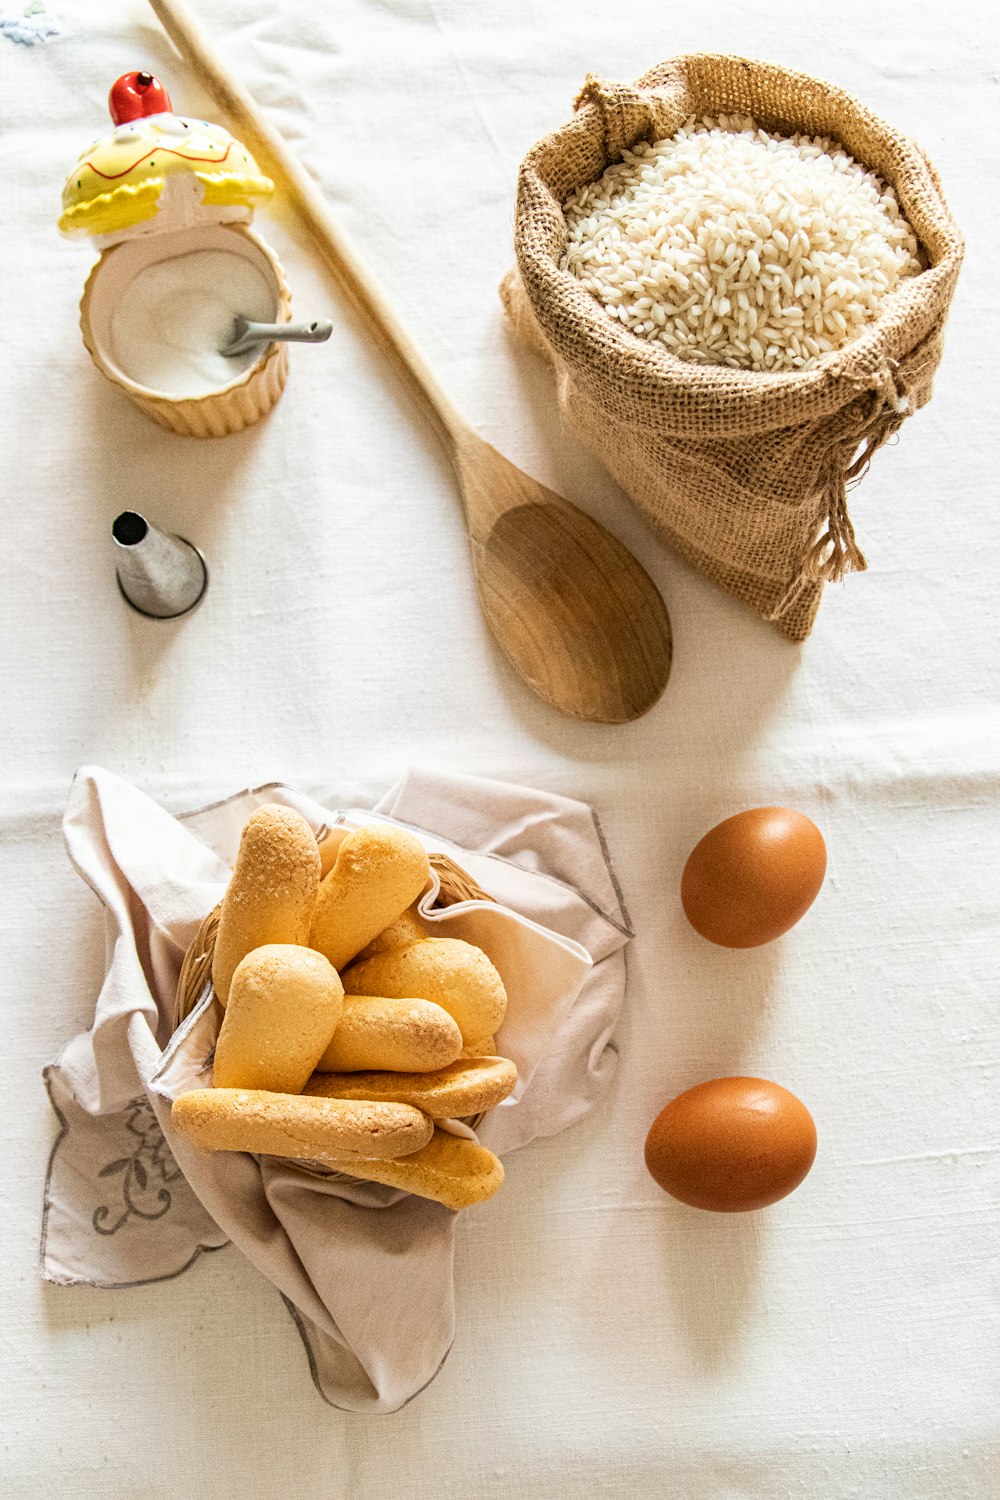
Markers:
point(610, 1342)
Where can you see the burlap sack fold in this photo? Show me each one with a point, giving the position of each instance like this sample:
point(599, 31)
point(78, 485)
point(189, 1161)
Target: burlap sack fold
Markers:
point(744, 473)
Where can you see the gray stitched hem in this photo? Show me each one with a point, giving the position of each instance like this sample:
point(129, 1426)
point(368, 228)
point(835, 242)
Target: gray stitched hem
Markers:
point(625, 927)
point(110, 1286)
point(297, 1319)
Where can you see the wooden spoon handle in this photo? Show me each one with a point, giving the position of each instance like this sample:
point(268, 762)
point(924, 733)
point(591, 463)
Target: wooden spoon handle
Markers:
point(277, 158)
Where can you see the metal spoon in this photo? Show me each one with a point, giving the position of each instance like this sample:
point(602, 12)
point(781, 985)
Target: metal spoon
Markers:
point(247, 335)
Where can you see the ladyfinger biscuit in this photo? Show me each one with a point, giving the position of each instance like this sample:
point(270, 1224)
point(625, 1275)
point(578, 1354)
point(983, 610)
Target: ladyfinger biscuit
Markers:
point(328, 854)
point(450, 1169)
point(487, 1048)
point(378, 872)
point(284, 1004)
point(271, 895)
point(454, 974)
point(408, 928)
point(306, 1129)
point(463, 1088)
point(401, 1034)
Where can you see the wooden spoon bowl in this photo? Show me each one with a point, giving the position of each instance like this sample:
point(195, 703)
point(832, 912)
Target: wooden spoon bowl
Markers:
point(569, 606)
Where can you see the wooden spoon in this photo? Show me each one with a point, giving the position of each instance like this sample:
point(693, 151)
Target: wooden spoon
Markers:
point(567, 603)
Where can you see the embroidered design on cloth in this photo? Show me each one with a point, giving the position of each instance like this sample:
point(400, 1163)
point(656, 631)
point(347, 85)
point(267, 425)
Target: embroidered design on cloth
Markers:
point(32, 26)
point(145, 1171)
point(118, 1211)
point(127, 1202)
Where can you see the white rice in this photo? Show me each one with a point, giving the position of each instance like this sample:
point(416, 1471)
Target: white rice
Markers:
point(732, 246)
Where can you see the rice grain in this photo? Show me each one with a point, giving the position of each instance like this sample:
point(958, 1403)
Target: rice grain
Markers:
point(729, 245)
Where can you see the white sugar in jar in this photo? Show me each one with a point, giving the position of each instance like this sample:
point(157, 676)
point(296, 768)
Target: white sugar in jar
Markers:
point(156, 310)
point(175, 315)
point(168, 201)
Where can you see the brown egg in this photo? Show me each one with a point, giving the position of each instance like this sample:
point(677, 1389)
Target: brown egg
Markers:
point(731, 1144)
point(753, 876)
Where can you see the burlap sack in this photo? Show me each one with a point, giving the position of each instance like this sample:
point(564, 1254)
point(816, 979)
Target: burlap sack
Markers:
point(745, 473)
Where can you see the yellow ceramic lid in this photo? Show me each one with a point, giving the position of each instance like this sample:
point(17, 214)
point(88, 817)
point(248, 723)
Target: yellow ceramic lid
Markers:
point(156, 164)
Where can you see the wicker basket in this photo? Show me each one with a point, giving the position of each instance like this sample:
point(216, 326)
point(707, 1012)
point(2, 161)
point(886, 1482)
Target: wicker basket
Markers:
point(196, 970)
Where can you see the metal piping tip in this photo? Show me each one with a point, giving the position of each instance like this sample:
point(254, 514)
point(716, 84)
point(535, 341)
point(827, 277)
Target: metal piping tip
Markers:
point(160, 575)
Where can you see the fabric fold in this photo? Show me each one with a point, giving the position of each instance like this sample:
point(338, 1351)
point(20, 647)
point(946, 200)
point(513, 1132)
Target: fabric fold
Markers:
point(366, 1271)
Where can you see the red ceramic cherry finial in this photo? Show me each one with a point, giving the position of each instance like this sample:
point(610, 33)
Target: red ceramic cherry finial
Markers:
point(136, 94)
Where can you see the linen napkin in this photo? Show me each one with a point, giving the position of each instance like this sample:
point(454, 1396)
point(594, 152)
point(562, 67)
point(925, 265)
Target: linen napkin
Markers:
point(366, 1271)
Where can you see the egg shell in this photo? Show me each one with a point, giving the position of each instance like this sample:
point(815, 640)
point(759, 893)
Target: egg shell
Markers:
point(753, 876)
point(731, 1144)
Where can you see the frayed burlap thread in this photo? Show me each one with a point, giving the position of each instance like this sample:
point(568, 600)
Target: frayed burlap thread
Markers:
point(745, 473)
